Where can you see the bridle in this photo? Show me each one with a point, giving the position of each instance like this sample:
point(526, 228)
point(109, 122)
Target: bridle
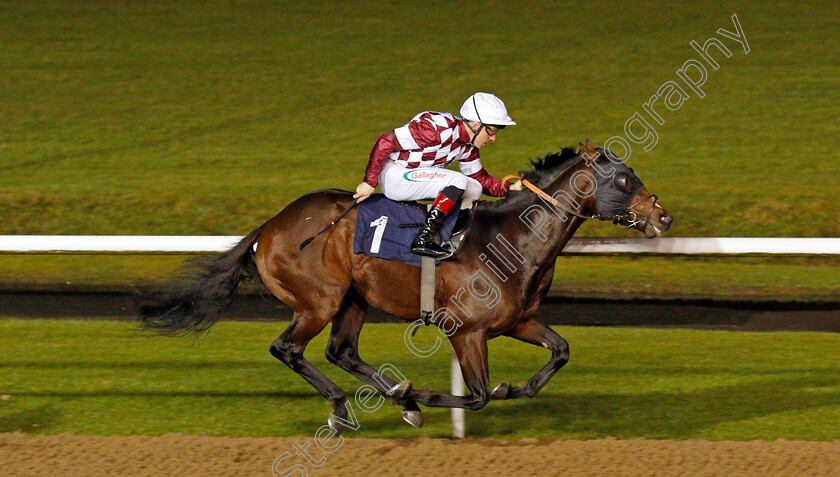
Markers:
point(626, 214)
point(633, 219)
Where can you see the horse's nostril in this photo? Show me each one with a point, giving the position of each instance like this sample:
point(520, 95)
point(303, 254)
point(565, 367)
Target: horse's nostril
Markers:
point(666, 219)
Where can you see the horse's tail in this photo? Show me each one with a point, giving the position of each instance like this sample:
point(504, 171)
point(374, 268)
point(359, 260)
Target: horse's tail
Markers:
point(194, 305)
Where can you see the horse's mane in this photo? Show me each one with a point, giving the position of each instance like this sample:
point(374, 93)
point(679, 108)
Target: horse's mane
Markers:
point(541, 169)
point(546, 166)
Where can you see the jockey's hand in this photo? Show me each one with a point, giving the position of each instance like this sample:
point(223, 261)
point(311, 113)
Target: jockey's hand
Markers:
point(363, 191)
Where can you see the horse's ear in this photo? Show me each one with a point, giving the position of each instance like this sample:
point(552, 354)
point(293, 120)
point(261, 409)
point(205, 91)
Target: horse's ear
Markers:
point(589, 147)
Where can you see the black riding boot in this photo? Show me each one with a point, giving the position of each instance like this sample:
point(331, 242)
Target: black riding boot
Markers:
point(424, 243)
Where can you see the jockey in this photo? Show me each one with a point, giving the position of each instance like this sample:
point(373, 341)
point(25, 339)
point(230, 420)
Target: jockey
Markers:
point(409, 162)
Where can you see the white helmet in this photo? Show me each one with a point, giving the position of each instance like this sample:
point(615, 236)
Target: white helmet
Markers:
point(486, 108)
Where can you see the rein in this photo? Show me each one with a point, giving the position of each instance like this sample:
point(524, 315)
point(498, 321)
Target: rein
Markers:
point(544, 196)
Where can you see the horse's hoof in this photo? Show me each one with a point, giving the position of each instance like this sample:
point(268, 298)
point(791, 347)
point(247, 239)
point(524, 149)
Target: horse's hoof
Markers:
point(400, 391)
point(335, 425)
point(501, 391)
point(413, 417)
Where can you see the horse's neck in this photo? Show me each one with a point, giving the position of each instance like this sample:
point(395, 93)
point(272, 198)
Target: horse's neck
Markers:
point(542, 244)
point(503, 237)
point(562, 226)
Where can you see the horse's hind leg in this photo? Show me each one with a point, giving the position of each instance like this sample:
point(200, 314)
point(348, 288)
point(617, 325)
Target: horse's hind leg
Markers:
point(289, 348)
point(471, 349)
point(343, 351)
point(536, 332)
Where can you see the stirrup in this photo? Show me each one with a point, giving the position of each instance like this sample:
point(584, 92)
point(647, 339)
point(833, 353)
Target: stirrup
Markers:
point(428, 250)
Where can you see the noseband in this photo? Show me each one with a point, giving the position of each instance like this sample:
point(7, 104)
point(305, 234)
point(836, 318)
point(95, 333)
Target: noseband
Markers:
point(631, 217)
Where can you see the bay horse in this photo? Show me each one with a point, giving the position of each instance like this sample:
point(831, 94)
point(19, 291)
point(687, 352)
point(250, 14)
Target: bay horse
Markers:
point(325, 282)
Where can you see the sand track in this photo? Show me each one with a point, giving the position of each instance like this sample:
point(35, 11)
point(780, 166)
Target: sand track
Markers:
point(177, 454)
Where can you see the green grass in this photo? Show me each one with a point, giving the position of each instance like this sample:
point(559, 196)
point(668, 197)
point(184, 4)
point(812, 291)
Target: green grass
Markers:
point(774, 278)
point(98, 377)
point(209, 117)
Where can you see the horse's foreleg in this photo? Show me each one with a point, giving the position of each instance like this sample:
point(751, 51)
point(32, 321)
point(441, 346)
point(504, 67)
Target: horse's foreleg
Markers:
point(536, 332)
point(471, 349)
point(289, 348)
point(343, 351)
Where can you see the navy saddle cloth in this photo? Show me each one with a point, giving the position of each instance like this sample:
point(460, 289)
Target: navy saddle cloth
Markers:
point(378, 231)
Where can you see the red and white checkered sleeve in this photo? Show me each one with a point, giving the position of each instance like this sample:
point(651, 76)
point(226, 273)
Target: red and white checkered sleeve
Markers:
point(471, 164)
point(489, 184)
point(385, 145)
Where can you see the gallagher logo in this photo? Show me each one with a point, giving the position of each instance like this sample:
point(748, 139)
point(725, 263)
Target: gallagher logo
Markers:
point(424, 176)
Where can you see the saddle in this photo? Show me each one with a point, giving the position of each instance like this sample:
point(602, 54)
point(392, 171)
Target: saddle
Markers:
point(385, 228)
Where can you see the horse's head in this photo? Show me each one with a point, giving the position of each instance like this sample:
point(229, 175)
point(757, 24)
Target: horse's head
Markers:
point(620, 196)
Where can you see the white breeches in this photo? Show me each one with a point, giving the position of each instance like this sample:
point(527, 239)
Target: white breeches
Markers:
point(423, 183)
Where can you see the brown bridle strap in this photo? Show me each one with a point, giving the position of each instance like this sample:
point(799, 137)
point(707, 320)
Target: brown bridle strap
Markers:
point(629, 210)
point(544, 196)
